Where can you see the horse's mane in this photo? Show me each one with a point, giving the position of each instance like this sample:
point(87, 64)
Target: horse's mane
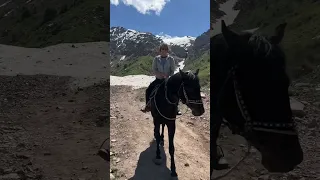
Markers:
point(191, 75)
point(261, 45)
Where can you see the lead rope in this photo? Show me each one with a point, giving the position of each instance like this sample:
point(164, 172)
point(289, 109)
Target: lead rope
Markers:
point(229, 171)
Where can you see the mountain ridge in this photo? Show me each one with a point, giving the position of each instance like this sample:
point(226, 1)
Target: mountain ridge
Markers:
point(132, 51)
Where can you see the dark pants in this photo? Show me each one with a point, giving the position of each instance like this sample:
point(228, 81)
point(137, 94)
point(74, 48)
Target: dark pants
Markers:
point(151, 88)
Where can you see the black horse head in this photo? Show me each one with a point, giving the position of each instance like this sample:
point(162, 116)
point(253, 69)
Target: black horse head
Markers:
point(190, 92)
point(250, 88)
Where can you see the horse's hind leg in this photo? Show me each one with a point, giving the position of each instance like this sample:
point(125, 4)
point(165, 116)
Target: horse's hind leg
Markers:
point(162, 136)
point(157, 160)
point(171, 131)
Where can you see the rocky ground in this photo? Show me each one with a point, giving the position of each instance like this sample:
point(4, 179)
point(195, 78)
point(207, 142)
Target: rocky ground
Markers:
point(305, 102)
point(49, 131)
point(52, 126)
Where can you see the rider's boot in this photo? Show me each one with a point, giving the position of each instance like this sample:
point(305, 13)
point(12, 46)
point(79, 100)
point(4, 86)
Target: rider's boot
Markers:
point(179, 112)
point(147, 108)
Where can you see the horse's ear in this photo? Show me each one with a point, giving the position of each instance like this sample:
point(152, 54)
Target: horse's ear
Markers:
point(196, 73)
point(182, 73)
point(230, 36)
point(277, 37)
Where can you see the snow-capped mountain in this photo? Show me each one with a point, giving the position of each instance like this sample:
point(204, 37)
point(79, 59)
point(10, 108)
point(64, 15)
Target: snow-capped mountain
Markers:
point(185, 41)
point(130, 42)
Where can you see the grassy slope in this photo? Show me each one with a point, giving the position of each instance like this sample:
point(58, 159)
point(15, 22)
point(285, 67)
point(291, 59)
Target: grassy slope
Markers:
point(203, 64)
point(140, 65)
point(75, 21)
point(302, 17)
point(143, 64)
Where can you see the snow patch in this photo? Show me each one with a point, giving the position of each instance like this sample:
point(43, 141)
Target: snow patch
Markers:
point(184, 41)
point(180, 65)
point(135, 81)
point(122, 58)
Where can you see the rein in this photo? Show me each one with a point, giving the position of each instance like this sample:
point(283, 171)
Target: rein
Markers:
point(188, 101)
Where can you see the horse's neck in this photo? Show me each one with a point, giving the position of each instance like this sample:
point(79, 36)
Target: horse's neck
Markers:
point(173, 84)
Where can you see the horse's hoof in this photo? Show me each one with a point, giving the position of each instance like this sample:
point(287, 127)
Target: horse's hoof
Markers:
point(157, 161)
point(221, 164)
point(174, 178)
point(223, 161)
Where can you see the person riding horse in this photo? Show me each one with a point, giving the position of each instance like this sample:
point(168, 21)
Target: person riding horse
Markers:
point(163, 66)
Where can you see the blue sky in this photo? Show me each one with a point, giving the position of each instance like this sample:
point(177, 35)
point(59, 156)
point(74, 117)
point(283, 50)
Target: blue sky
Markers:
point(174, 18)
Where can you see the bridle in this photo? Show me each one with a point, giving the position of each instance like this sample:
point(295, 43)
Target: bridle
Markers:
point(251, 125)
point(187, 102)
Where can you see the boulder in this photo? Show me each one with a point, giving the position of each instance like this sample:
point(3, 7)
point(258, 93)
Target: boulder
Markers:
point(297, 108)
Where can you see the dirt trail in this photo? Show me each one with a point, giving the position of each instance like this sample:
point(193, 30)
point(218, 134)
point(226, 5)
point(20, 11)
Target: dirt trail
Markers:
point(132, 147)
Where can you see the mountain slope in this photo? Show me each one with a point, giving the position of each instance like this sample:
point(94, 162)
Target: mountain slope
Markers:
point(132, 51)
point(38, 23)
point(300, 43)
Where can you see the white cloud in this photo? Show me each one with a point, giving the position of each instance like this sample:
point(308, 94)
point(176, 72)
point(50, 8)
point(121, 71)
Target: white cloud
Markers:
point(144, 6)
point(114, 2)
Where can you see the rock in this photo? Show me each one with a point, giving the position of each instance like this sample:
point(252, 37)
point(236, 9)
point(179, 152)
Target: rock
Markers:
point(313, 124)
point(11, 176)
point(302, 85)
point(47, 153)
point(305, 102)
point(113, 140)
point(103, 117)
point(290, 91)
point(297, 108)
point(186, 165)
point(264, 177)
point(22, 156)
point(112, 177)
point(317, 104)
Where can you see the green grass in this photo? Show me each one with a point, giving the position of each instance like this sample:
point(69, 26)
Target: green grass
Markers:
point(302, 18)
point(203, 64)
point(143, 65)
point(58, 21)
point(139, 65)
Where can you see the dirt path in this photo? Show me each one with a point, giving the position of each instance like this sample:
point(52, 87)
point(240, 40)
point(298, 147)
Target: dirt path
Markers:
point(131, 141)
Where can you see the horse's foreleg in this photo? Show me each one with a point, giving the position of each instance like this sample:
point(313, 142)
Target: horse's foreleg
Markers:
point(217, 161)
point(157, 160)
point(171, 131)
point(162, 136)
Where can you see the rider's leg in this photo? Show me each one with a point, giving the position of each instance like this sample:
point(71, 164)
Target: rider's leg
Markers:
point(148, 93)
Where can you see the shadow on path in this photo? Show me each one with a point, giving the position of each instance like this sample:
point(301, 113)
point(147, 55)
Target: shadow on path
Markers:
point(147, 169)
